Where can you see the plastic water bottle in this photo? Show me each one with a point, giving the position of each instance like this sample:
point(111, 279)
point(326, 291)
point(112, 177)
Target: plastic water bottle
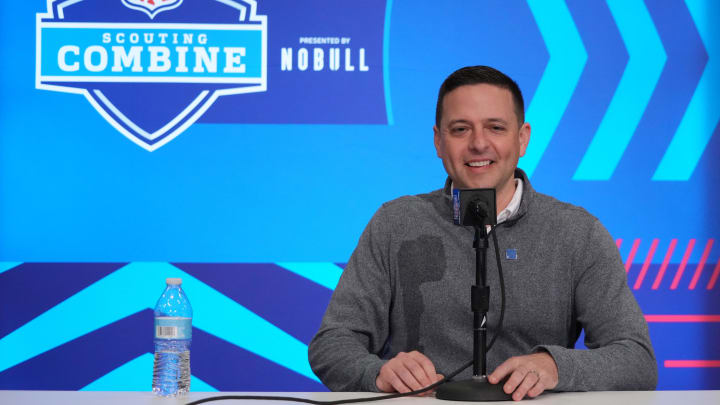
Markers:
point(173, 333)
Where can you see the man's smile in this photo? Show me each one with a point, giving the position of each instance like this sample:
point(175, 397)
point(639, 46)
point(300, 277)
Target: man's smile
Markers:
point(479, 163)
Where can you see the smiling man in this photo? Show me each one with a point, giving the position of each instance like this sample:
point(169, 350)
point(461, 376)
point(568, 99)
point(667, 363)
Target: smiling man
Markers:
point(399, 318)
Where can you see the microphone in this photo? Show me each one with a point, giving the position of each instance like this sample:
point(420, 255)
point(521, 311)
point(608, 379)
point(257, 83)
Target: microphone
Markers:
point(474, 207)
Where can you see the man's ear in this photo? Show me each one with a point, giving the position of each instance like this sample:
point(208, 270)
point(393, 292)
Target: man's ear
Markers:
point(436, 140)
point(524, 135)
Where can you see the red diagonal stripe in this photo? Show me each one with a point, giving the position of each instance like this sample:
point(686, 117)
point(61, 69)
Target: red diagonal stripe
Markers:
point(714, 277)
point(691, 363)
point(631, 256)
point(682, 318)
point(646, 265)
point(681, 269)
point(666, 260)
point(618, 243)
point(700, 266)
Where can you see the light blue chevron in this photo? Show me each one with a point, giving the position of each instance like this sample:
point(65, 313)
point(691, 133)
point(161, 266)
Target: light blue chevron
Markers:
point(562, 73)
point(386, 63)
point(5, 266)
point(136, 375)
point(703, 113)
point(136, 287)
point(323, 273)
point(646, 61)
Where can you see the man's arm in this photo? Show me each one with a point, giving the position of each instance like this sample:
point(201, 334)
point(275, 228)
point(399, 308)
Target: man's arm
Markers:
point(620, 355)
point(344, 352)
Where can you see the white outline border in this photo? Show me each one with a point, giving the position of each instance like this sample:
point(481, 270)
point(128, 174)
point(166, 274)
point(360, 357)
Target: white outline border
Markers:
point(260, 86)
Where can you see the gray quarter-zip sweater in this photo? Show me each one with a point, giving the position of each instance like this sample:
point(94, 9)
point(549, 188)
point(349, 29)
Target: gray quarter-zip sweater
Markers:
point(407, 287)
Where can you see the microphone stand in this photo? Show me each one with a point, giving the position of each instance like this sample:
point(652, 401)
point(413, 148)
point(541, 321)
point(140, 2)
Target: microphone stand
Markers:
point(477, 388)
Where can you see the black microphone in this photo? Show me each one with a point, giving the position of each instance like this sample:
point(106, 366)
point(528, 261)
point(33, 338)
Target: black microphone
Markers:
point(474, 207)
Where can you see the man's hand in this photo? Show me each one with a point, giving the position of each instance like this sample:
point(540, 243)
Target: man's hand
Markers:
point(407, 372)
point(531, 374)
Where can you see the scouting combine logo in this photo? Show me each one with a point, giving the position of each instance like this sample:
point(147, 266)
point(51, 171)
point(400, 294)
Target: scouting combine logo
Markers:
point(152, 67)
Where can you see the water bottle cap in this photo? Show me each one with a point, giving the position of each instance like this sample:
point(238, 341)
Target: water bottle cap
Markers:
point(173, 281)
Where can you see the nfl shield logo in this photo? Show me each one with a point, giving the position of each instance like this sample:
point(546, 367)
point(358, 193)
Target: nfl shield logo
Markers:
point(152, 7)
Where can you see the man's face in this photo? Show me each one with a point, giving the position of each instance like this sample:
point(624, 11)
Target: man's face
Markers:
point(479, 140)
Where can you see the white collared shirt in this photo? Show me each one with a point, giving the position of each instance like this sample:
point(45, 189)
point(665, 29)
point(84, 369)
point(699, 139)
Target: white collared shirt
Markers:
point(514, 205)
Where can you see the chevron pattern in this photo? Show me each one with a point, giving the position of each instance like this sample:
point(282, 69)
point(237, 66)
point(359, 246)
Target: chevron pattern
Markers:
point(573, 57)
point(567, 60)
point(647, 58)
point(98, 318)
point(703, 114)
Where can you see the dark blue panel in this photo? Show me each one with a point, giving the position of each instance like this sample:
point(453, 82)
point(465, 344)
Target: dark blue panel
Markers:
point(708, 177)
point(291, 302)
point(83, 360)
point(686, 341)
point(324, 97)
point(30, 289)
point(230, 368)
point(158, 103)
point(681, 300)
point(688, 378)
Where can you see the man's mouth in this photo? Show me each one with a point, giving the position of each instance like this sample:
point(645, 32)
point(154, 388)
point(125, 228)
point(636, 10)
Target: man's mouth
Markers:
point(479, 163)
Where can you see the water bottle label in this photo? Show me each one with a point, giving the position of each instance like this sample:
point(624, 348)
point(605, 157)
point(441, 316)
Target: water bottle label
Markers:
point(173, 328)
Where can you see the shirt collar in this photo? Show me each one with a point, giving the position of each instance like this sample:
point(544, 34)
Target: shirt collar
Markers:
point(513, 206)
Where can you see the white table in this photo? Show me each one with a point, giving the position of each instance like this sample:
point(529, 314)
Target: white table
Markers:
point(147, 398)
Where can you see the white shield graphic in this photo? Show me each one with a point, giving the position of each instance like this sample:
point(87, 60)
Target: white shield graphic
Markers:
point(150, 108)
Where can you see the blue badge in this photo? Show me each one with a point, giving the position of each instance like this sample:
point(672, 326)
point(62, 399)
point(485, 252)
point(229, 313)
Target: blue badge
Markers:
point(511, 254)
point(456, 206)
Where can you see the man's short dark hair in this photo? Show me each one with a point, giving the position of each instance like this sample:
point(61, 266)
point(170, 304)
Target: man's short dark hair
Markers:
point(478, 75)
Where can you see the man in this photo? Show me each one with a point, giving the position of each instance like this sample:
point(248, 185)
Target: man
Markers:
point(400, 316)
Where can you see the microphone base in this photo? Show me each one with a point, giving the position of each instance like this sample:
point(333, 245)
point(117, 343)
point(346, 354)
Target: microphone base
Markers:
point(474, 389)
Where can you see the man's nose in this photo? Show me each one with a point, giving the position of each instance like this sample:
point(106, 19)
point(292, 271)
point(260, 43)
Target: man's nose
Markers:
point(479, 140)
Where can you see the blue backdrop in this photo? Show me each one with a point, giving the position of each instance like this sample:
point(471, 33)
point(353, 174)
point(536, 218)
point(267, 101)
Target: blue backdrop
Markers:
point(110, 182)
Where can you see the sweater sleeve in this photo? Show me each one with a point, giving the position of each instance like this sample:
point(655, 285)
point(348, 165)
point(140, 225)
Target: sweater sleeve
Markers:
point(620, 355)
point(344, 353)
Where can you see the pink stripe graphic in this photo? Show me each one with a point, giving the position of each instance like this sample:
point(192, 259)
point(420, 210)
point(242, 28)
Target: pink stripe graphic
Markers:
point(646, 265)
point(681, 269)
point(661, 272)
point(714, 277)
point(682, 318)
point(618, 243)
point(691, 363)
point(700, 266)
point(631, 256)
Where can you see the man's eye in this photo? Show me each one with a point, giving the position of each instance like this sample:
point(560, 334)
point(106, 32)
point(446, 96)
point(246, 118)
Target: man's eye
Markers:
point(458, 130)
